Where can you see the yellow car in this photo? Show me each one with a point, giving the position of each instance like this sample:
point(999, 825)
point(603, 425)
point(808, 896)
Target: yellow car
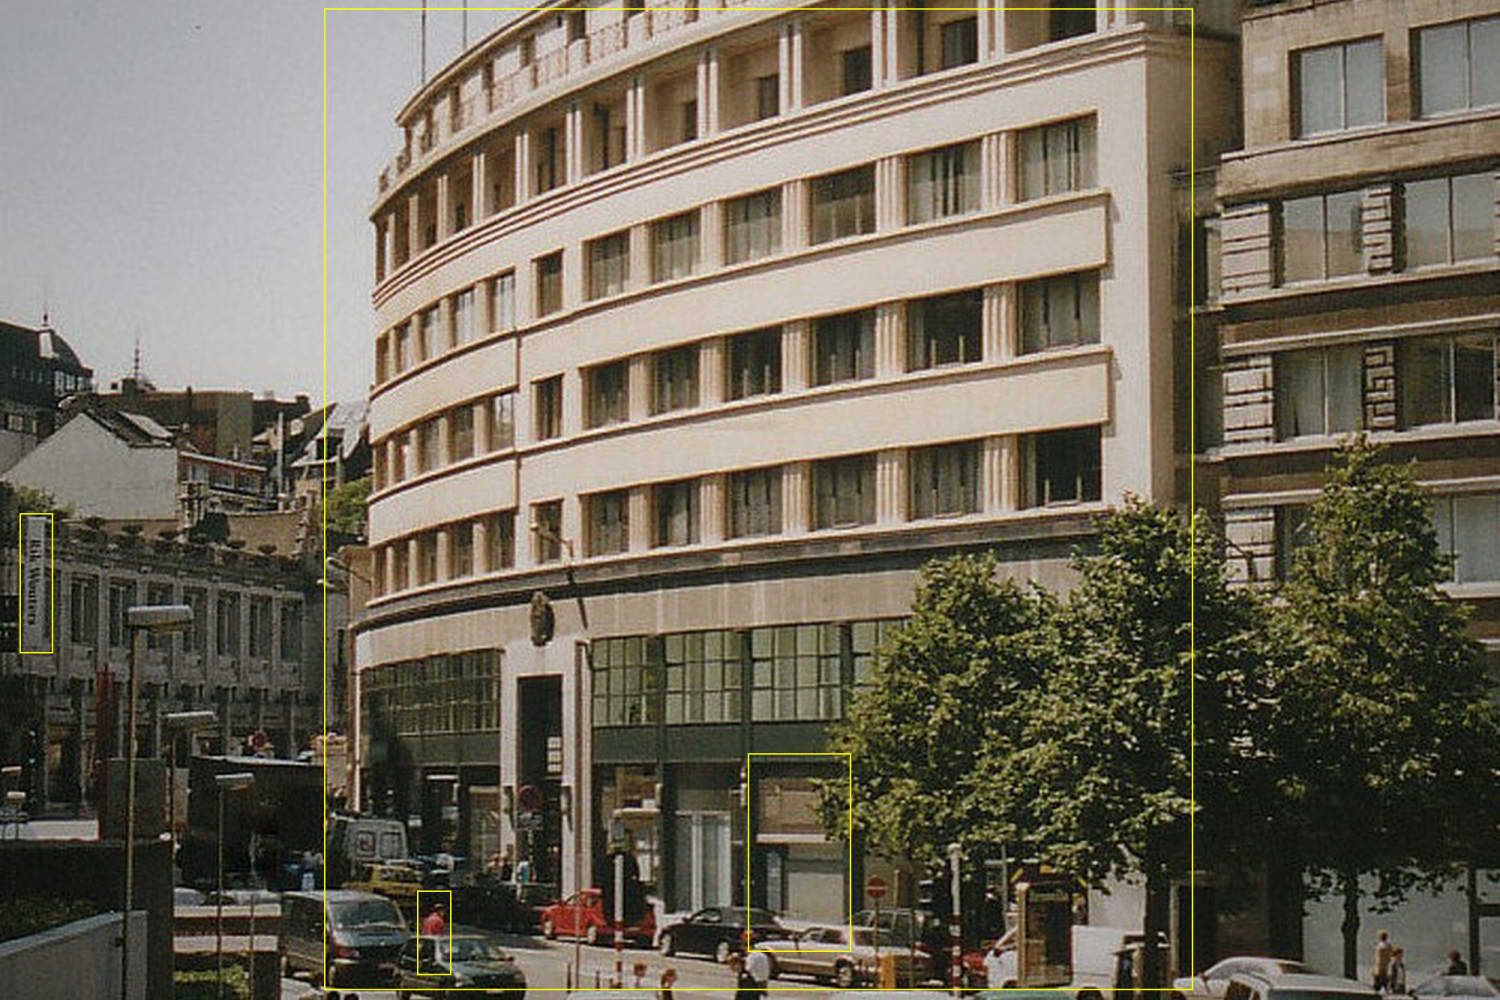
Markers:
point(397, 883)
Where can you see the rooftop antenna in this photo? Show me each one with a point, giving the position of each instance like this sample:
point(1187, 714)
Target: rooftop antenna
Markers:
point(46, 311)
point(135, 367)
point(424, 41)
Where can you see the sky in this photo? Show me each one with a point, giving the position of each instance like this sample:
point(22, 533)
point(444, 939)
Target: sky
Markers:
point(162, 178)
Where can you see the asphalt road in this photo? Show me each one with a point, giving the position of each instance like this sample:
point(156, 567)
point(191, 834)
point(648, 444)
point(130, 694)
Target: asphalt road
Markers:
point(546, 966)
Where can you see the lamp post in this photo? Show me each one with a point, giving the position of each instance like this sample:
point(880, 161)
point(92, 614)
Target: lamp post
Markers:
point(955, 920)
point(237, 781)
point(177, 723)
point(155, 619)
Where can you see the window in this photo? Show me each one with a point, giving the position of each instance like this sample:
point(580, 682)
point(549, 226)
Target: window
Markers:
point(625, 683)
point(1319, 392)
point(945, 480)
point(609, 522)
point(427, 557)
point(1340, 86)
point(549, 408)
point(795, 673)
point(1291, 534)
point(195, 639)
point(942, 182)
point(608, 394)
point(674, 377)
point(944, 330)
point(546, 520)
point(855, 66)
point(463, 316)
point(549, 284)
point(1448, 219)
point(461, 549)
point(227, 624)
point(1321, 237)
point(703, 676)
point(291, 632)
point(1069, 24)
point(843, 204)
point(460, 433)
point(1058, 158)
point(503, 421)
point(501, 539)
point(83, 610)
point(752, 226)
point(609, 265)
point(121, 597)
point(429, 434)
point(1062, 467)
point(844, 492)
point(400, 576)
point(844, 347)
point(688, 121)
point(867, 638)
point(767, 96)
point(159, 594)
point(674, 247)
point(404, 359)
point(428, 340)
point(546, 159)
point(577, 25)
point(1208, 273)
point(755, 503)
point(502, 292)
point(1453, 70)
point(1446, 380)
point(754, 361)
point(676, 506)
point(960, 42)
point(1060, 312)
point(260, 627)
point(1468, 531)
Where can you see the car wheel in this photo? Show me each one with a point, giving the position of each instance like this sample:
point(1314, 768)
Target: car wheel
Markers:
point(843, 975)
point(549, 930)
point(664, 945)
point(591, 934)
point(722, 953)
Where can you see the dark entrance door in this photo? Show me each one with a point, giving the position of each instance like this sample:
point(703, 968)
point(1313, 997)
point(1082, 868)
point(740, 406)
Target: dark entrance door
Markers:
point(541, 767)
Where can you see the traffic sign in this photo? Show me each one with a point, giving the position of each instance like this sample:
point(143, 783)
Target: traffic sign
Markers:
point(875, 887)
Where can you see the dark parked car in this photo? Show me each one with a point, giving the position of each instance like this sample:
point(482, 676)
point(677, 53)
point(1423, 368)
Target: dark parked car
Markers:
point(365, 936)
point(468, 960)
point(716, 930)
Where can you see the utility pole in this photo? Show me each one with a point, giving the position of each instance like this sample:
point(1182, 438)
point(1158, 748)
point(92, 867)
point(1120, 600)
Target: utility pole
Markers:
point(955, 918)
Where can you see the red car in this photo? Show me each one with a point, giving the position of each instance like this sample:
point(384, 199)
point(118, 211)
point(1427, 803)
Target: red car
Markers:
point(563, 919)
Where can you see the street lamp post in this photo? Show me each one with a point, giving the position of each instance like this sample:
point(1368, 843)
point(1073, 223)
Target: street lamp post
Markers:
point(955, 920)
point(238, 781)
point(156, 619)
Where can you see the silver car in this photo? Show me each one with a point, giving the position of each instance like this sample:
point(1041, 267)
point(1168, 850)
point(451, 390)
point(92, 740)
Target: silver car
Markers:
point(842, 955)
point(1214, 980)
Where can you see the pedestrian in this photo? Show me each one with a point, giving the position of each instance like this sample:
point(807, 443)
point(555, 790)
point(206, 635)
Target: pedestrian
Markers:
point(1382, 959)
point(436, 921)
point(523, 870)
point(758, 968)
point(1456, 964)
point(999, 966)
point(667, 981)
point(638, 971)
point(744, 985)
point(1396, 982)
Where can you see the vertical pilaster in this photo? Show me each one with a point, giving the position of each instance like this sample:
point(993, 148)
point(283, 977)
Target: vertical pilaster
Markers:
point(891, 18)
point(573, 143)
point(711, 508)
point(523, 167)
point(991, 173)
point(388, 556)
point(984, 27)
point(891, 486)
point(480, 185)
point(640, 518)
point(1249, 400)
point(640, 256)
point(639, 387)
point(890, 339)
point(1380, 386)
point(711, 371)
point(1001, 474)
point(997, 32)
point(714, 85)
point(794, 355)
point(389, 234)
point(444, 212)
point(482, 547)
point(998, 325)
point(484, 426)
point(890, 193)
point(413, 225)
point(794, 233)
point(1377, 231)
point(784, 66)
point(1251, 533)
point(446, 331)
point(444, 553)
point(711, 235)
point(445, 443)
point(797, 75)
point(413, 562)
point(796, 497)
point(877, 45)
point(1247, 259)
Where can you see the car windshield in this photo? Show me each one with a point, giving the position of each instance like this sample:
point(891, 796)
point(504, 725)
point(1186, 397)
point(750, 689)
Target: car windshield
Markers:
point(475, 950)
point(756, 916)
point(866, 937)
point(366, 913)
point(1457, 986)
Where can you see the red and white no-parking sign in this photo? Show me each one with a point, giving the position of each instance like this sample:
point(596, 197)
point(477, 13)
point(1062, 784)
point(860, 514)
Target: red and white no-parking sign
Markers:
point(875, 887)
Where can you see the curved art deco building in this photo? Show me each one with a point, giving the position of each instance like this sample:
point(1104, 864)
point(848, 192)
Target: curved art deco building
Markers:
point(712, 326)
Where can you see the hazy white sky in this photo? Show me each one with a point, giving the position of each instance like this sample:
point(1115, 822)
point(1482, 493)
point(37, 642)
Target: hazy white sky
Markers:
point(161, 176)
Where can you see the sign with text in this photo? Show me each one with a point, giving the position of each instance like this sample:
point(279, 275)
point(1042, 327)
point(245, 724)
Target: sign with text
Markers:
point(36, 583)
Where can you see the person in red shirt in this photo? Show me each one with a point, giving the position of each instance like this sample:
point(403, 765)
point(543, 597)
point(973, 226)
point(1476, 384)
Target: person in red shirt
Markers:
point(436, 921)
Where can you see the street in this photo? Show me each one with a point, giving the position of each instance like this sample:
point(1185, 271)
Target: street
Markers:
point(546, 962)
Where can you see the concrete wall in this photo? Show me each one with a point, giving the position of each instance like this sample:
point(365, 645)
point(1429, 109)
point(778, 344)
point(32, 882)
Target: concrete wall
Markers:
point(76, 960)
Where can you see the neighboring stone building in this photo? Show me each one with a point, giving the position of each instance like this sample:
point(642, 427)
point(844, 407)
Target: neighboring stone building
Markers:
point(1361, 293)
point(715, 325)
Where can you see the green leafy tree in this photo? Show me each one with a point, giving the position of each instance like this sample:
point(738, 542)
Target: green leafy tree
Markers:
point(1384, 736)
point(945, 694)
point(1106, 770)
point(345, 509)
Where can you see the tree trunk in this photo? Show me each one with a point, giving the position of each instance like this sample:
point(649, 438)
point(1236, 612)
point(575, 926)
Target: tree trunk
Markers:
point(1350, 926)
point(1158, 915)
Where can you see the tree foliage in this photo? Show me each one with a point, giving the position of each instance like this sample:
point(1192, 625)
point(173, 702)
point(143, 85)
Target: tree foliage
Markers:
point(345, 508)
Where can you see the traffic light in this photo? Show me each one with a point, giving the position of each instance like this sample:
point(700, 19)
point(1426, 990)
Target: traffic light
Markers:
point(934, 896)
